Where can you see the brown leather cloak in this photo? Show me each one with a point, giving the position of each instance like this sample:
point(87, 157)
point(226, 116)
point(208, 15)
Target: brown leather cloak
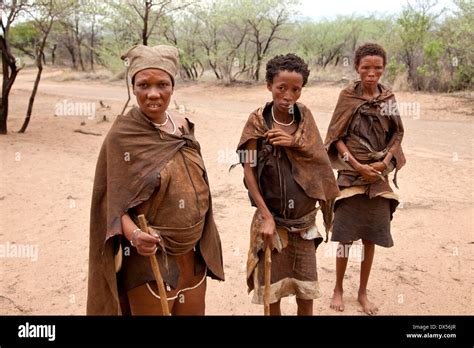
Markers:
point(310, 163)
point(349, 102)
point(127, 172)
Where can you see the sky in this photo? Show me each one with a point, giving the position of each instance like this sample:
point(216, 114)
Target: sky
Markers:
point(319, 9)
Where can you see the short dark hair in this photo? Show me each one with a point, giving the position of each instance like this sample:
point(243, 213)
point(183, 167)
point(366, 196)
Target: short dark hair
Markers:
point(289, 62)
point(369, 49)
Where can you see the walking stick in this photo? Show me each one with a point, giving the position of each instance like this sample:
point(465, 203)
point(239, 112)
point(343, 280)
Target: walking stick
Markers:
point(268, 270)
point(156, 270)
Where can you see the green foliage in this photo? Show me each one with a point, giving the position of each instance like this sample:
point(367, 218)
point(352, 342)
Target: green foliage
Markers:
point(232, 40)
point(23, 36)
point(457, 37)
point(393, 69)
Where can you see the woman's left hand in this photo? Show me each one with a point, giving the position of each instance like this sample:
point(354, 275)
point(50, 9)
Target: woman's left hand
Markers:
point(279, 137)
point(378, 166)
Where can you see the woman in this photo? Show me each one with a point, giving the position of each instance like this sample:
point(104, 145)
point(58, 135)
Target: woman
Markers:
point(364, 144)
point(150, 163)
point(292, 173)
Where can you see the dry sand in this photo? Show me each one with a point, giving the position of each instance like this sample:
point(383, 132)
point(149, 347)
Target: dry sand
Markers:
point(47, 175)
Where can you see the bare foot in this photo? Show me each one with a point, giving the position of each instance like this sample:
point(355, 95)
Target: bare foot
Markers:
point(367, 306)
point(336, 302)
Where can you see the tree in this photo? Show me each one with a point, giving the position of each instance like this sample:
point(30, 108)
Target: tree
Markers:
point(223, 35)
point(323, 42)
point(72, 34)
point(10, 68)
point(415, 24)
point(456, 34)
point(181, 32)
point(94, 11)
point(23, 37)
point(44, 13)
point(235, 34)
point(62, 35)
point(132, 22)
point(266, 19)
point(210, 19)
point(150, 12)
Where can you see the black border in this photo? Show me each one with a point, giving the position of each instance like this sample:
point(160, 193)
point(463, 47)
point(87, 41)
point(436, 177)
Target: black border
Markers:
point(245, 331)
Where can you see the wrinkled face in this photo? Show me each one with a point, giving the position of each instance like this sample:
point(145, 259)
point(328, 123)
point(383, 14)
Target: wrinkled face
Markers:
point(370, 69)
point(153, 89)
point(286, 89)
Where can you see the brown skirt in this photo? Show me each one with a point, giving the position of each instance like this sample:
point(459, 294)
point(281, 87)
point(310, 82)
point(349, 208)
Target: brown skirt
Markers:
point(136, 269)
point(293, 271)
point(360, 217)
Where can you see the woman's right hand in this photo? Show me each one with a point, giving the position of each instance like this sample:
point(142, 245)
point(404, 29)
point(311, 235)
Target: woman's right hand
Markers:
point(146, 244)
point(268, 230)
point(368, 173)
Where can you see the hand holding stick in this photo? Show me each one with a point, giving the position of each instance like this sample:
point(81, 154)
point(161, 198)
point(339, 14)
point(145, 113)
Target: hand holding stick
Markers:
point(156, 270)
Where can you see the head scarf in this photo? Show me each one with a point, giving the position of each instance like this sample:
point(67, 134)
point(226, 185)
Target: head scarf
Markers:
point(163, 57)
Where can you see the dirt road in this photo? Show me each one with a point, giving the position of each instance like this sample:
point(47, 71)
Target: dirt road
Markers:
point(46, 183)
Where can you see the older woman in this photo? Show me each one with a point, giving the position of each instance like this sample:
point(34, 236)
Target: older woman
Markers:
point(150, 163)
point(364, 144)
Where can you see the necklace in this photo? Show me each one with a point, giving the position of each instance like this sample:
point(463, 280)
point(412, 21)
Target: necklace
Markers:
point(164, 123)
point(168, 117)
point(281, 123)
point(174, 125)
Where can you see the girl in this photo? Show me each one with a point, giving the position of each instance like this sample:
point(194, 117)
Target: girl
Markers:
point(364, 144)
point(292, 173)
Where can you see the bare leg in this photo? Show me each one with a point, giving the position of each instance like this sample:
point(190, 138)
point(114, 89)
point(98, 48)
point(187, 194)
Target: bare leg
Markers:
point(305, 307)
point(341, 264)
point(365, 266)
point(191, 302)
point(275, 309)
point(142, 302)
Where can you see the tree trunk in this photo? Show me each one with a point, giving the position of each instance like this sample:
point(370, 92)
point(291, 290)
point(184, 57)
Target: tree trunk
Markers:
point(79, 42)
point(39, 64)
point(79, 53)
point(9, 71)
point(3, 114)
point(202, 69)
point(92, 48)
point(53, 54)
point(33, 95)
point(214, 69)
point(257, 69)
point(195, 72)
point(71, 51)
point(145, 23)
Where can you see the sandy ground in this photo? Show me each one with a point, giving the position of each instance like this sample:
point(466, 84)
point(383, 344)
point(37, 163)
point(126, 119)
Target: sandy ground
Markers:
point(47, 176)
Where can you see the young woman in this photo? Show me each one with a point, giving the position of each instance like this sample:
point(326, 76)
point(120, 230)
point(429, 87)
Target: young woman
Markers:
point(364, 144)
point(291, 174)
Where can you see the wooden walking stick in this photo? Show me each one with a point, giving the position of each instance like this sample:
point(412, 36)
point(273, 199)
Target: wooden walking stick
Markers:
point(268, 272)
point(156, 270)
